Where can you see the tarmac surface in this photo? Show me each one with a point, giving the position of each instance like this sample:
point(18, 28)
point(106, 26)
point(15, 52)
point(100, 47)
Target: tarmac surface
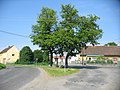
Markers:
point(15, 77)
point(88, 78)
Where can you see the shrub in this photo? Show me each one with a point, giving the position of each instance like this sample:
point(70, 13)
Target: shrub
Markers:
point(26, 56)
point(2, 66)
point(38, 55)
point(109, 62)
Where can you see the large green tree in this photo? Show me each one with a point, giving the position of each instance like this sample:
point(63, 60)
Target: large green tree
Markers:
point(76, 31)
point(111, 44)
point(44, 29)
point(26, 55)
point(67, 29)
point(70, 34)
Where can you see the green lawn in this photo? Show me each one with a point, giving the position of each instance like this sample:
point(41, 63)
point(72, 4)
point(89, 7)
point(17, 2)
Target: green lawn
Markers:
point(52, 71)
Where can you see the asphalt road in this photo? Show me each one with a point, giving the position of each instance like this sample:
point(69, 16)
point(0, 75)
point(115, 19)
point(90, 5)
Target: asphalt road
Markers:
point(88, 78)
point(15, 77)
point(95, 78)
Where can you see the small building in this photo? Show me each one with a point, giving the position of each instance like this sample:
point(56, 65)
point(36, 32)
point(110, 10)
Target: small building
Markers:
point(9, 55)
point(92, 52)
point(61, 60)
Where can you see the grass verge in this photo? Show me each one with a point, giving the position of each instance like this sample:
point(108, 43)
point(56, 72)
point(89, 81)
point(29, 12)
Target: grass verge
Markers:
point(54, 72)
point(2, 66)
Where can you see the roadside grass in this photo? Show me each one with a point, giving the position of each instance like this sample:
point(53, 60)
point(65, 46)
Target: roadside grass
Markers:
point(2, 66)
point(33, 64)
point(55, 72)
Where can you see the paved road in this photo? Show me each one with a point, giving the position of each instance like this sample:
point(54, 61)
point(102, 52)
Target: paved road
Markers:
point(13, 78)
point(95, 78)
point(89, 78)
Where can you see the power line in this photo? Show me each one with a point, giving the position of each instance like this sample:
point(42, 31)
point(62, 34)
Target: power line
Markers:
point(14, 34)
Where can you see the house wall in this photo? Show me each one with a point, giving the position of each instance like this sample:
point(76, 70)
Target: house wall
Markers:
point(1, 58)
point(10, 56)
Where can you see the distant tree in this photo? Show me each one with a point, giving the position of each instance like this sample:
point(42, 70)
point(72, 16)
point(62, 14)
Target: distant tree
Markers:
point(45, 55)
point(38, 55)
point(41, 55)
point(111, 44)
point(26, 55)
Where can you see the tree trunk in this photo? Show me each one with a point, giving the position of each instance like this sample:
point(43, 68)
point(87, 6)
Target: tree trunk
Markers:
point(51, 58)
point(66, 61)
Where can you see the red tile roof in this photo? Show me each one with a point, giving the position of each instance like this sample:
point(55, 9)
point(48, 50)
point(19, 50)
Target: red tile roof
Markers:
point(102, 50)
point(6, 49)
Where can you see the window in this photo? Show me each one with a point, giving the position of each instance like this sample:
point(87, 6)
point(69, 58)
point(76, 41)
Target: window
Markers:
point(4, 58)
point(90, 59)
point(13, 54)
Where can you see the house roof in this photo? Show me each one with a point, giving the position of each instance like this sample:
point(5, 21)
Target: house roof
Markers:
point(101, 50)
point(6, 49)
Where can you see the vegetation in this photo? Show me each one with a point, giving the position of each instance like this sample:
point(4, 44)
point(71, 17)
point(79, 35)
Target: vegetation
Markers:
point(2, 66)
point(43, 31)
point(70, 35)
point(41, 56)
point(41, 64)
point(100, 60)
point(38, 56)
point(26, 56)
point(111, 44)
point(59, 71)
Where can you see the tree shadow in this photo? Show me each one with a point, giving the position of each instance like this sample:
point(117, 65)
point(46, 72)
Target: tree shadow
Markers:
point(83, 67)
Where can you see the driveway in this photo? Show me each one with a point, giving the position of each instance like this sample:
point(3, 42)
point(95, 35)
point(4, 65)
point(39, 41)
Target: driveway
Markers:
point(88, 78)
point(15, 77)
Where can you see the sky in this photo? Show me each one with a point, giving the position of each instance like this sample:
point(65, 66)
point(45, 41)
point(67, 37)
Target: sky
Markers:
point(18, 16)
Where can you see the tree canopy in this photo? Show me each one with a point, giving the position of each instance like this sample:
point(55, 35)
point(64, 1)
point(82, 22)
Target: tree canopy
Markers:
point(26, 55)
point(44, 29)
point(111, 44)
point(70, 34)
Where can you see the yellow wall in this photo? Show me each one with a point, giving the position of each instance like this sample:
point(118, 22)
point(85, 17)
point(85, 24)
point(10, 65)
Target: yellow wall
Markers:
point(10, 56)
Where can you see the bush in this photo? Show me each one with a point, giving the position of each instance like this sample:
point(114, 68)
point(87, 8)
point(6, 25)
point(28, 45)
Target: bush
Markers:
point(109, 62)
point(97, 62)
point(38, 56)
point(26, 56)
point(2, 66)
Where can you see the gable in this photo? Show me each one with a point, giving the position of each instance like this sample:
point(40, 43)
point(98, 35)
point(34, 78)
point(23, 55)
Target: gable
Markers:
point(6, 49)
